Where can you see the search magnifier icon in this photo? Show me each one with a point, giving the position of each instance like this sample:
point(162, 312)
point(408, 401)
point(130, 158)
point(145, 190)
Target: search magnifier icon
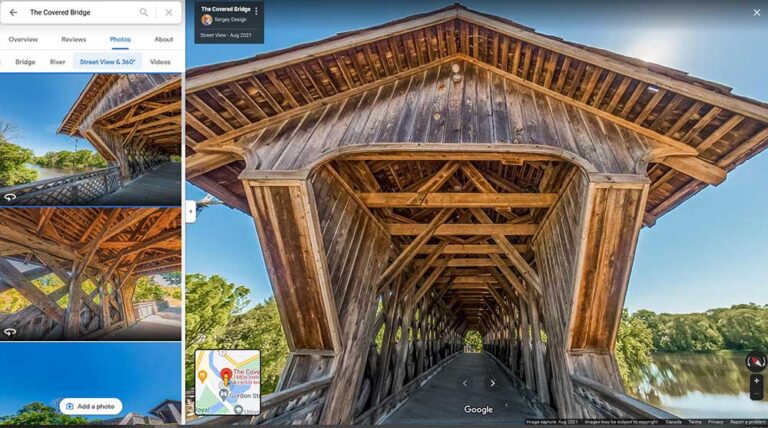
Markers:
point(143, 11)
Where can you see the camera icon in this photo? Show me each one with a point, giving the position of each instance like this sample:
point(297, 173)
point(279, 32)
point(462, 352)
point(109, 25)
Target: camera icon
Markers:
point(69, 406)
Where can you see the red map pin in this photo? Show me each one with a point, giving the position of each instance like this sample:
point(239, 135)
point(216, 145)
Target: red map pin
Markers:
point(226, 375)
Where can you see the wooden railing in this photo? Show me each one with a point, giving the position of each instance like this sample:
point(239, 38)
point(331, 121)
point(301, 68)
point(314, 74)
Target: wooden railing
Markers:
point(614, 404)
point(77, 189)
point(145, 309)
point(298, 404)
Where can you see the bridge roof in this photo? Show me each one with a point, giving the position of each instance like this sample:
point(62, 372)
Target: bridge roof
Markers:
point(144, 107)
point(232, 99)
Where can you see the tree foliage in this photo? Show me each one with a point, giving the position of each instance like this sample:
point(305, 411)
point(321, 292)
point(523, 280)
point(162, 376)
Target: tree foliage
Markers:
point(12, 164)
point(474, 341)
point(172, 278)
point(739, 327)
point(71, 159)
point(148, 289)
point(634, 345)
point(39, 414)
point(211, 302)
point(260, 328)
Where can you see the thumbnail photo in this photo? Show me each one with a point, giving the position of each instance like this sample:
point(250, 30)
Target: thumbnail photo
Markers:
point(93, 384)
point(433, 220)
point(75, 274)
point(90, 139)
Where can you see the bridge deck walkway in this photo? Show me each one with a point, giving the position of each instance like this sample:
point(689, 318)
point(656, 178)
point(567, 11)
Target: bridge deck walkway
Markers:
point(471, 379)
point(159, 187)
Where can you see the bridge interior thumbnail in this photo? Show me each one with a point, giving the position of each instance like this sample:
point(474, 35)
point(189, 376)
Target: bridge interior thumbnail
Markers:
point(87, 261)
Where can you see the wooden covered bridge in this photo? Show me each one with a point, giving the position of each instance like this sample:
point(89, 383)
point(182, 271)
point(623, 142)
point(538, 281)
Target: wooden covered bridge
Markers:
point(448, 172)
point(107, 248)
point(134, 122)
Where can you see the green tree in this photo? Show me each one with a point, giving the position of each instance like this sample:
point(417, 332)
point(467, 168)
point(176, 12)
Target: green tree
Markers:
point(742, 326)
point(13, 159)
point(39, 414)
point(474, 340)
point(260, 328)
point(71, 159)
point(689, 332)
point(634, 344)
point(210, 304)
point(172, 278)
point(147, 289)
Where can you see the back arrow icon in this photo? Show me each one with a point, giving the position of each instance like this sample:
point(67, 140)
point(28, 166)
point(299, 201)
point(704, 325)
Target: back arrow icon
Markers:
point(13, 12)
point(464, 383)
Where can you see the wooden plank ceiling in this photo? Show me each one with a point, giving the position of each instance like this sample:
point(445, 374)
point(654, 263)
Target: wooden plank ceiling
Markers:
point(124, 241)
point(229, 100)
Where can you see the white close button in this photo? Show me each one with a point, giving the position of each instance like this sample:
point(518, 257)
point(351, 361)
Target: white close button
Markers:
point(91, 406)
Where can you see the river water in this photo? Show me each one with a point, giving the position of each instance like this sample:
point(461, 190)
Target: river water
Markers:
point(698, 385)
point(46, 173)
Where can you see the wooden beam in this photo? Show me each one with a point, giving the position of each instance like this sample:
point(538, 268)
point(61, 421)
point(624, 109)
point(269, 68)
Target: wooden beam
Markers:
point(27, 289)
point(469, 262)
point(203, 163)
point(520, 264)
point(696, 168)
point(458, 200)
point(482, 183)
point(427, 285)
point(424, 267)
point(135, 217)
point(441, 176)
point(172, 234)
point(473, 249)
point(409, 252)
point(509, 276)
point(399, 229)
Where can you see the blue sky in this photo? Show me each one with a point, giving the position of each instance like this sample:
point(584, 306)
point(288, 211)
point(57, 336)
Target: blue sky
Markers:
point(37, 103)
point(141, 375)
point(709, 252)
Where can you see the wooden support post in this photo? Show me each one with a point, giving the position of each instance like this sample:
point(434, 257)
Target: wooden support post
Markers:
point(525, 339)
point(542, 390)
point(104, 301)
point(390, 329)
point(402, 345)
point(74, 306)
point(126, 291)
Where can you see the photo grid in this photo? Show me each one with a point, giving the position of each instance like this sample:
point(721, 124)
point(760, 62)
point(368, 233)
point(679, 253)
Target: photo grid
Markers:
point(90, 217)
point(252, 212)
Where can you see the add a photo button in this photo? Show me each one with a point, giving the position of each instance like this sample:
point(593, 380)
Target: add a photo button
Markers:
point(91, 406)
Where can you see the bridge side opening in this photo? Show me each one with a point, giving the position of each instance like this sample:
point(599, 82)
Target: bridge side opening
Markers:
point(473, 341)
